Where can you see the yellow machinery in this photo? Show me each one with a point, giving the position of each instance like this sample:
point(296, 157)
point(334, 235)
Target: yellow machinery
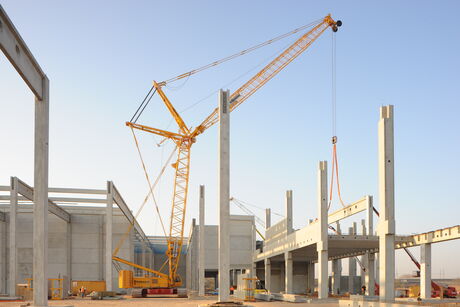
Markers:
point(184, 139)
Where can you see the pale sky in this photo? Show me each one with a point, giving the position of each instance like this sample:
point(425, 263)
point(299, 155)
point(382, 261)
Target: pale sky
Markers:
point(102, 56)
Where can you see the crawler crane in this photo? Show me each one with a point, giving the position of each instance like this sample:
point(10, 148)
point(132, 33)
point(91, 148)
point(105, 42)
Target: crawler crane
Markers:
point(167, 283)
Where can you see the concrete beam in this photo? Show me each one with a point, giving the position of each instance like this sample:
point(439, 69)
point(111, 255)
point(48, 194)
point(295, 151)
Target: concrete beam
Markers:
point(28, 193)
point(386, 226)
point(77, 191)
point(119, 201)
point(425, 271)
point(78, 200)
point(224, 196)
point(435, 236)
point(354, 208)
point(17, 52)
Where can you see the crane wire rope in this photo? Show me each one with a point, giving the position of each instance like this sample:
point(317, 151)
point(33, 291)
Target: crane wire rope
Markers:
point(148, 179)
point(237, 78)
point(335, 162)
point(235, 55)
point(260, 208)
point(131, 225)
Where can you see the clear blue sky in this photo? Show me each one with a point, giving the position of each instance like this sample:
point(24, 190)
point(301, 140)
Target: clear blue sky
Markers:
point(101, 57)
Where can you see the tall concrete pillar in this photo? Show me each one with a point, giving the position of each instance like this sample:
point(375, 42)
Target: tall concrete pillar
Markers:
point(69, 249)
point(40, 219)
point(336, 269)
point(288, 211)
point(224, 196)
point(188, 266)
point(370, 274)
point(101, 248)
point(370, 257)
point(268, 274)
point(108, 237)
point(143, 259)
point(311, 277)
point(268, 218)
point(288, 276)
point(370, 215)
point(387, 203)
point(322, 240)
point(13, 241)
point(425, 271)
point(336, 276)
point(364, 257)
point(351, 265)
point(377, 267)
point(4, 256)
point(201, 246)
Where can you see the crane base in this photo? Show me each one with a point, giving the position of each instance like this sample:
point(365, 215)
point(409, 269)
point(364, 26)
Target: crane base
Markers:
point(177, 292)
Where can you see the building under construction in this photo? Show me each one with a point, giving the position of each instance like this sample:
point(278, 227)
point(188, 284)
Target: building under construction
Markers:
point(55, 238)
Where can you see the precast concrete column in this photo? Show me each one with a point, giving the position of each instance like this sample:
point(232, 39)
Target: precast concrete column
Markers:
point(336, 269)
point(289, 275)
point(188, 267)
point(13, 241)
point(4, 256)
point(377, 267)
point(69, 249)
point(268, 218)
point(288, 211)
point(224, 196)
point(370, 257)
point(336, 276)
point(108, 237)
point(365, 256)
point(311, 276)
point(40, 219)
point(201, 245)
point(351, 265)
point(322, 239)
point(268, 274)
point(425, 271)
point(370, 274)
point(144, 251)
point(386, 228)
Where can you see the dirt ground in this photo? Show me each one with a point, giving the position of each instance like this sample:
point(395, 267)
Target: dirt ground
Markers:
point(160, 302)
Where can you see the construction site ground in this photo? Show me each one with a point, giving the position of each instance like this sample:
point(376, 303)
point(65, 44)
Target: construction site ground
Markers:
point(184, 302)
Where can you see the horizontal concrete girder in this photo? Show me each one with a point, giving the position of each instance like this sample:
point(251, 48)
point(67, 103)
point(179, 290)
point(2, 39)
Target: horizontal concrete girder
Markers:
point(17, 52)
point(119, 201)
point(28, 192)
point(435, 236)
point(354, 208)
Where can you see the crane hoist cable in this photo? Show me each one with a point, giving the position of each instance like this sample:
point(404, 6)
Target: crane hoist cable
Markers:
point(131, 224)
point(335, 161)
point(148, 180)
point(235, 55)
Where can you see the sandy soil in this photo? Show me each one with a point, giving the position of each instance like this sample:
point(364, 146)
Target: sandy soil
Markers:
point(160, 302)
